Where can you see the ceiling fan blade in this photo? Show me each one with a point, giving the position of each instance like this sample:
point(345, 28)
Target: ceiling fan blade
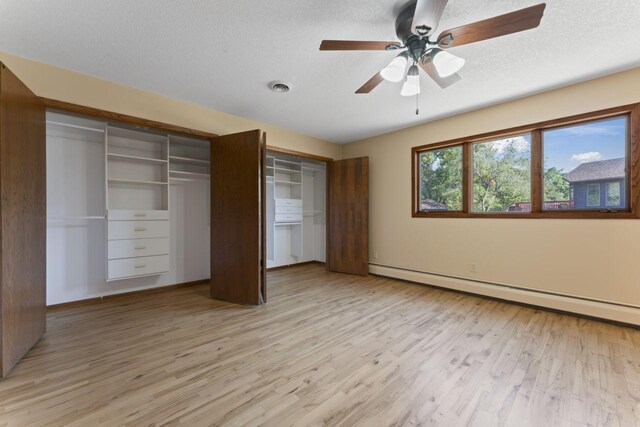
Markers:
point(427, 16)
point(509, 23)
point(370, 84)
point(443, 82)
point(355, 45)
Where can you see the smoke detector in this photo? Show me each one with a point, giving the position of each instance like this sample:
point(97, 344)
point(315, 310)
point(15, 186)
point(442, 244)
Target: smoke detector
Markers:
point(279, 86)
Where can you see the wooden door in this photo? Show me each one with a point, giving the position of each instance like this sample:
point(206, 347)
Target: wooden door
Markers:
point(22, 219)
point(237, 218)
point(348, 235)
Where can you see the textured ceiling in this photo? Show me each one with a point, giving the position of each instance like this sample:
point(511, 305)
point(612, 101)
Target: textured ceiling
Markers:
point(222, 53)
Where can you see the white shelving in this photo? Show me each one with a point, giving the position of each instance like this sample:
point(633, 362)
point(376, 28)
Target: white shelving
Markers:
point(112, 180)
point(295, 219)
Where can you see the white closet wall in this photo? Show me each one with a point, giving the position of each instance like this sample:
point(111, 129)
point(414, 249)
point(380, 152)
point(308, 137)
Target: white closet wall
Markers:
point(76, 211)
point(296, 210)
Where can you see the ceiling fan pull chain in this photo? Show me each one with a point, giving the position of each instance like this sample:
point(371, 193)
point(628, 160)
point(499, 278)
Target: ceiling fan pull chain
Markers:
point(417, 105)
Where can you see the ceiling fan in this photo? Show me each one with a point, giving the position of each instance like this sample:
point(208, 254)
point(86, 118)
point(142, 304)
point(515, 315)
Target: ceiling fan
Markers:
point(415, 25)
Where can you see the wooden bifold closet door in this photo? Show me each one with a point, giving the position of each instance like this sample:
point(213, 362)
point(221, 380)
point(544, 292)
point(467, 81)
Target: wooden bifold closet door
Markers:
point(348, 235)
point(237, 218)
point(22, 220)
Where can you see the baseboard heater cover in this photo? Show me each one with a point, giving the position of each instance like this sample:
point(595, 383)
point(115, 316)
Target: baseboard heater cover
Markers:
point(602, 310)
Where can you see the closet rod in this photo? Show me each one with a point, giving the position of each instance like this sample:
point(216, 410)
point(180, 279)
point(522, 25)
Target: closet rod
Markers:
point(51, 122)
point(77, 217)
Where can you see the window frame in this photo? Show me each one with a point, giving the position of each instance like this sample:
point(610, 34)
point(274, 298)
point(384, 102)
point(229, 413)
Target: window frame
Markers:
point(632, 187)
point(461, 183)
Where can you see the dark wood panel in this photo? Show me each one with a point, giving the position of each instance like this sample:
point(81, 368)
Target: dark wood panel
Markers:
point(371, 84)
point(110, 115)
point(23, 219)
point(509, 23)
point(263, 217)
point(355, 45)
point(349, 216)
point(236, 216)
point(298, 153)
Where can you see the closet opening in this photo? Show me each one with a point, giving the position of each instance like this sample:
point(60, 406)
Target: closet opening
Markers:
point(127, 207)
point(296, 218)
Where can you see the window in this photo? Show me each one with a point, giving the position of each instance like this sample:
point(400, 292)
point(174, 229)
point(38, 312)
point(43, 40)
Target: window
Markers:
point(576, 167)
point(613, 194)
point(441, 179)
point(502, 175)
point(593, 194)
point(583, 157)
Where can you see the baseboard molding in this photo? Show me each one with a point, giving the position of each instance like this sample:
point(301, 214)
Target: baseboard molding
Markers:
point(583, 307)
point(100, 299)
point(298, 264)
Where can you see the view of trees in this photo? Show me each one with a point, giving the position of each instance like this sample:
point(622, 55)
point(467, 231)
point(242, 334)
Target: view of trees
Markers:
point(501, 174)
point(441, 178)
point(501, 177)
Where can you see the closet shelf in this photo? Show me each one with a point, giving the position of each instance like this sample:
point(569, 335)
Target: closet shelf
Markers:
point(287, 162)
point(287, 182)
point(188, 160)
point(76, 217)
point(69, 125)
point(287, 171)
point(190, 174)
point(125, 157)
point(287, 223)
point(132, 181)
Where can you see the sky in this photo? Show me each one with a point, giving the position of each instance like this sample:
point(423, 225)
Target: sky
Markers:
point(568, 147)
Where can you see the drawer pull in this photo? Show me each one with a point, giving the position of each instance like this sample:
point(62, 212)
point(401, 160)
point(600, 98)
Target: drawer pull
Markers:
point(140, 229)
point(140, 215)
point(139, 248)
point(140, 266)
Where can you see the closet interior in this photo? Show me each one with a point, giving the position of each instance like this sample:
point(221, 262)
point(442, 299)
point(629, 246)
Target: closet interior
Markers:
point(296, 209)
point(127, 208)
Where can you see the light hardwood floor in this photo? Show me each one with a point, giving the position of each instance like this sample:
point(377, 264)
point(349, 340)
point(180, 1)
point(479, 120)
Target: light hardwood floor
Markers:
point(327, 349)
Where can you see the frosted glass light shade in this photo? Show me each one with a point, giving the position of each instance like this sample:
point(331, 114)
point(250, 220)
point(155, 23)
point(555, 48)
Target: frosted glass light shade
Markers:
point(446, 63)
point(394, 72)
point(411, 85)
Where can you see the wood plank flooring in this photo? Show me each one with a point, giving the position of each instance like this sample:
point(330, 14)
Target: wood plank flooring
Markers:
point(328, 349)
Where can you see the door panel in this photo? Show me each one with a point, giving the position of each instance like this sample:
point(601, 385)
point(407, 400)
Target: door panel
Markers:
point(23, 219)
point(348, 249)
point(237, 231)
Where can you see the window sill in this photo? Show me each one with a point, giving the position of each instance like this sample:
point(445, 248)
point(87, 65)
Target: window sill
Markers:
point(530, 215)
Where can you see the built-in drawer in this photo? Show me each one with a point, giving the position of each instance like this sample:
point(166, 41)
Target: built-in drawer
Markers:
point(288, 202)
point(127, 215)
point(137, 229)
point(132, 267)
point(138, 247)
point(288, 209)
point(288, 217)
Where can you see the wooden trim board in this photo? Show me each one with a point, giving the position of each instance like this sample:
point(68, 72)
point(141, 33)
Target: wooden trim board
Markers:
point(97, 300)
point(110, 115)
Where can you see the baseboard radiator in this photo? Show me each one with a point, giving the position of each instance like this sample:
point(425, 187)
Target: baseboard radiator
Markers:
point(582, 306)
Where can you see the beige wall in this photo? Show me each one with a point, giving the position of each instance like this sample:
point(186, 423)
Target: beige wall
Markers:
point(588, 258)
point(56, 83)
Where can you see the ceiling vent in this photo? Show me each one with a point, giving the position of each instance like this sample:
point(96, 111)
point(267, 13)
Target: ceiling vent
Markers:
point(279, 86)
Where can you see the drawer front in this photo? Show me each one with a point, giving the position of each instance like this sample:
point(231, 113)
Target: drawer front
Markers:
point(126, 215)
point(288, 217)
point(132, 267)
point(138, 247)
point(288, 202)
point(137, 229)
point(288, 209)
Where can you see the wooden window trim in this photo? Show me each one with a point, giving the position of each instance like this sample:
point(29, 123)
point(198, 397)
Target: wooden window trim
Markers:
point(633, 169)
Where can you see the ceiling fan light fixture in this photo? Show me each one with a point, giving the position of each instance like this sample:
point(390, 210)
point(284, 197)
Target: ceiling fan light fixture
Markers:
point(446, 64)
point(394, 72)
point(411, 85)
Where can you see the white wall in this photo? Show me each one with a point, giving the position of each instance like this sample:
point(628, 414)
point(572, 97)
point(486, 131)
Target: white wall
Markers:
point(594, 259)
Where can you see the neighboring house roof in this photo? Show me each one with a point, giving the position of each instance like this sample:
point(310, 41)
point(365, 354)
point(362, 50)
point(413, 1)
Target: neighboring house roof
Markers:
point(429, 204)
point(596, 171)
